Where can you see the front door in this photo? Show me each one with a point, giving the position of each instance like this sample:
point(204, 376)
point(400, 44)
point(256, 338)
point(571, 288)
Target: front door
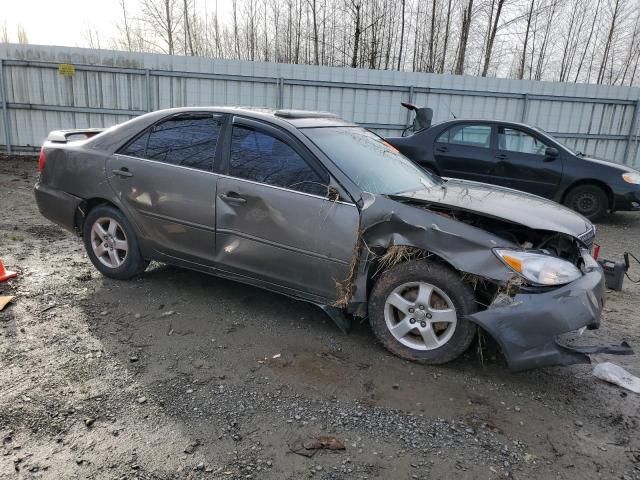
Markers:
point(465, 151)
point(165, 181)
point(274, 220)
point(524, 164)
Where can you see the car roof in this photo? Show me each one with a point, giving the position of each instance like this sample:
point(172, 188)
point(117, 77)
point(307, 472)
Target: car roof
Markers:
point(296, 118)
point(481, 121)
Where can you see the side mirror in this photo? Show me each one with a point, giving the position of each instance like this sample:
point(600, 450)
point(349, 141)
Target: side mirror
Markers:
point(551, 152)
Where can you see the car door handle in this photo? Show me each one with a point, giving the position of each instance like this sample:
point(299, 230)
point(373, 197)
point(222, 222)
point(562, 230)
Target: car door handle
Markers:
point(123, 172)
point(501, 156)
point(232, 197)
point(442, 149)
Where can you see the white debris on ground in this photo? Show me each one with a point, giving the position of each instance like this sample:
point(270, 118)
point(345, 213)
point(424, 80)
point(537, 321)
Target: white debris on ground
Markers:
point(612, 373)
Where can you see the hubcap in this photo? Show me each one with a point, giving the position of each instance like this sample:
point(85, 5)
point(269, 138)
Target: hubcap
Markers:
point(109, 242)
point(420, 316)
point(586, 203)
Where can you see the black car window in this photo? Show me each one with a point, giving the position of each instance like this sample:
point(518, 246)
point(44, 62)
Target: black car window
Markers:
point(513, 140)
point(188, 141)
point(263, 158)
point(469, 135)
point(137, 147)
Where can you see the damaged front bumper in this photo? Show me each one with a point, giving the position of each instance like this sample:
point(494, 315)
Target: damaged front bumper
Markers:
point(527, 328)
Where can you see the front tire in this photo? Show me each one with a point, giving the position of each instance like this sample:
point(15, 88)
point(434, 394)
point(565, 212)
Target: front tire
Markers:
point(590, 201)
point(111, 243)
point(417, 311)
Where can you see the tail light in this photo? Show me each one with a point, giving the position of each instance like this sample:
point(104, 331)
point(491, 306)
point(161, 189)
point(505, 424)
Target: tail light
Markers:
point(42, 160)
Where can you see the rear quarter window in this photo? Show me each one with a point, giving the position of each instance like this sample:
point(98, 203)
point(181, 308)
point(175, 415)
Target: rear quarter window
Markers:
point(187, 141)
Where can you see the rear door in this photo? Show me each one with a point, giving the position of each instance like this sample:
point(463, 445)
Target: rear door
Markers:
point(466, 151)
point(165, 181)
point(524, 164)
point(274, 220)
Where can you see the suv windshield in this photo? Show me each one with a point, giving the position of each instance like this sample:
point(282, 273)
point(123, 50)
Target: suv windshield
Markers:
point(370, 162)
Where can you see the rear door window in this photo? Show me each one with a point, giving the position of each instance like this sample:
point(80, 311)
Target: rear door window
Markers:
point(467, 135)
point(263, 158)
point(187, 141)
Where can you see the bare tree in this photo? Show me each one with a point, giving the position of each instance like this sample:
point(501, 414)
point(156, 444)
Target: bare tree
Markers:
point(91, 37)
point(4, 32)
point(401, 34)
point(613, 24)
point(494, 19)
point(22, 35)
point(566, 40)
point(163, 17)
point(464, 37)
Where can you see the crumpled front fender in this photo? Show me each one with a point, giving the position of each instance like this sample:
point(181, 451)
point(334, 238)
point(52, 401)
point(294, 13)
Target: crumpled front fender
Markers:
point(527, 328)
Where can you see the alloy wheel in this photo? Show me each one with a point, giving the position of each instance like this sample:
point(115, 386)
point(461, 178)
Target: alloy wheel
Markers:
point(109, 242)
point(420, 316)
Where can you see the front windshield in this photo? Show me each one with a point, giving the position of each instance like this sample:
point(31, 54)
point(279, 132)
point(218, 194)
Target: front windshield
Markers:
point(370, 162)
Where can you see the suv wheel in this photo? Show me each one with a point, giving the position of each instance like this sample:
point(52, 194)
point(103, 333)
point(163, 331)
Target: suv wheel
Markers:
point(588, 200)
point(111, 243)
point(417, 311)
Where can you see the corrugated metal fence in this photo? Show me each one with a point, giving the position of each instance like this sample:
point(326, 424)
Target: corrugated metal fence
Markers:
point(107, 87)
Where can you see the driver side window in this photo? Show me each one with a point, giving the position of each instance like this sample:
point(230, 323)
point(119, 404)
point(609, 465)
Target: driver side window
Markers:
point(260, 157)
point(513, 140)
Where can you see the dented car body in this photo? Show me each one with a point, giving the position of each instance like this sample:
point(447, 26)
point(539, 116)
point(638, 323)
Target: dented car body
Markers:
point(316, 208)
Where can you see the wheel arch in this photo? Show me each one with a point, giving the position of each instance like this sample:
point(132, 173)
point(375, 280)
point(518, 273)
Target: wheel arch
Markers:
point(591, 181)
point(376, 265)
point(85, 207)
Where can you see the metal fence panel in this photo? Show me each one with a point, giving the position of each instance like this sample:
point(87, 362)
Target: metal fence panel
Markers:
point(109, 87)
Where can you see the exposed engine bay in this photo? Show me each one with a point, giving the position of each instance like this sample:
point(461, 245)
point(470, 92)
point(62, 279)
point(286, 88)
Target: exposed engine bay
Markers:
point(557, 244)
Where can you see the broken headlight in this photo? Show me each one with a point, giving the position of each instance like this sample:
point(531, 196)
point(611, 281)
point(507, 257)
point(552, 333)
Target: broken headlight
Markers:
point(539, 268)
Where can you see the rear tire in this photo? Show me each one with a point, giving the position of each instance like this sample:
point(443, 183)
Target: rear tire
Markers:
point(588, 200)
point(111, 243)
point(406, 303)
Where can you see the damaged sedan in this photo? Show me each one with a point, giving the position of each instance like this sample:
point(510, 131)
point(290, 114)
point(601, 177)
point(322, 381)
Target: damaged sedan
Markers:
point(319, 209)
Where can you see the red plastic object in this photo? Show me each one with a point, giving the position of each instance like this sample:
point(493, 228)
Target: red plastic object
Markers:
point(6, 274)
point(42, 160)
point(596, 251)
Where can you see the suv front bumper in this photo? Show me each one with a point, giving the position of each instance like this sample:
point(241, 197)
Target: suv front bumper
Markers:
point(527, 328)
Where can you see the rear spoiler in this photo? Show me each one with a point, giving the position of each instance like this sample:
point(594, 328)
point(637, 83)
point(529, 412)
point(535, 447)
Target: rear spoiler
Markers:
point(73, 135)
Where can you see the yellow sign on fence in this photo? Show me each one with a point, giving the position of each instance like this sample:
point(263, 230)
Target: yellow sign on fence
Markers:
point(67, 69)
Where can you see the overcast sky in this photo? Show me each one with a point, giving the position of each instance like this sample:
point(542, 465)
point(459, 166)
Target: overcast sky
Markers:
point(62, 22)
point(58, 22)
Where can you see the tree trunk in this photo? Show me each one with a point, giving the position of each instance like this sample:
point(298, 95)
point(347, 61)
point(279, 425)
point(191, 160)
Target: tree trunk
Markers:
point(401, 35)
point(607, 47)
point(356, 35)
point(491, 39)
point(464, 38)
point(446, 37)
point(431, 62)
point(523, 59)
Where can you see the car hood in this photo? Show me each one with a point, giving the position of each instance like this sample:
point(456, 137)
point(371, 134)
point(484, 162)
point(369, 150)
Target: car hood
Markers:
point(606, 163)
point(503, 203)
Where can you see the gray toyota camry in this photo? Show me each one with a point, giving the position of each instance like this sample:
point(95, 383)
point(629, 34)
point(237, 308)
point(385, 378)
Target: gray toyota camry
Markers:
point(319, 209)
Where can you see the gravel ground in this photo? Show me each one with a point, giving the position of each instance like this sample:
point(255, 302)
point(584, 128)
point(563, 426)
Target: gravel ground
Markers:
point(173, 375)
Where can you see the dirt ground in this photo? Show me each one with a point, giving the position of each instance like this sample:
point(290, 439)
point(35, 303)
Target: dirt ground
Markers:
point(176, 375)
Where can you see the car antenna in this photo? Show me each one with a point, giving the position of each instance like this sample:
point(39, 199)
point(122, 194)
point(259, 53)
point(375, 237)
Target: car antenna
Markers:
point(451, 111)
